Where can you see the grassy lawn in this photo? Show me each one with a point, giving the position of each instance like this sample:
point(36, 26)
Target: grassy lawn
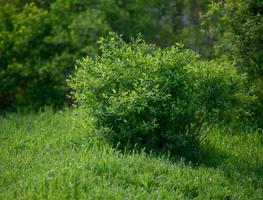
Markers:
point(57, 156)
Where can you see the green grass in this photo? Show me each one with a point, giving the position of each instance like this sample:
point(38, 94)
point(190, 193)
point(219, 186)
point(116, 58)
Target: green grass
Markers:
point(57, 156)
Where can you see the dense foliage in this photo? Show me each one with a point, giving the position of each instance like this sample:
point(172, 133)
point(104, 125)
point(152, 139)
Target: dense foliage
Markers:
point(157, 99)
point(40, 40)
point(238, 27)
point(38, 48)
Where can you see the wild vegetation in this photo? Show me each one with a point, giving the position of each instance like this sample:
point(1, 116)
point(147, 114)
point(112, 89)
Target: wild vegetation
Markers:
point(158, 99)
point(238, 27)
point(40, 40)
point(51, 156)
point(126, 99)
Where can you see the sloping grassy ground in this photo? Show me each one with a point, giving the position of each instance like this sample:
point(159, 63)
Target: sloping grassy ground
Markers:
point(53, 156)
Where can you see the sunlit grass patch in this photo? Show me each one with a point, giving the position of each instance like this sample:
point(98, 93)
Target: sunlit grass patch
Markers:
point(55, 156)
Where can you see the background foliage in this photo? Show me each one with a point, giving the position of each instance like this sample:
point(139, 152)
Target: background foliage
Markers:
point(237, 26)
point(40, 40)
point(38, 48)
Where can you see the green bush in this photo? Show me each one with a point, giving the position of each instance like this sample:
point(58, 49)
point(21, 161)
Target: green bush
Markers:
point(38, 48)
point(237, 26)
point(156, 99)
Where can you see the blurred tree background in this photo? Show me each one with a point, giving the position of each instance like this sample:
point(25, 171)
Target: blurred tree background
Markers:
point(237, 29)
point(41, 40)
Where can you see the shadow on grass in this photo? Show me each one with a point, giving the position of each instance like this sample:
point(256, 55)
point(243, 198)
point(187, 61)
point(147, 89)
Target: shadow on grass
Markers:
point(233, 166)
point(207, 155)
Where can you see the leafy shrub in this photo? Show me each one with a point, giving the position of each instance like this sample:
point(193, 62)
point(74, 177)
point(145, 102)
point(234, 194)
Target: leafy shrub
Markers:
point(38, 47)
point(157, 99)
point(237, 26)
